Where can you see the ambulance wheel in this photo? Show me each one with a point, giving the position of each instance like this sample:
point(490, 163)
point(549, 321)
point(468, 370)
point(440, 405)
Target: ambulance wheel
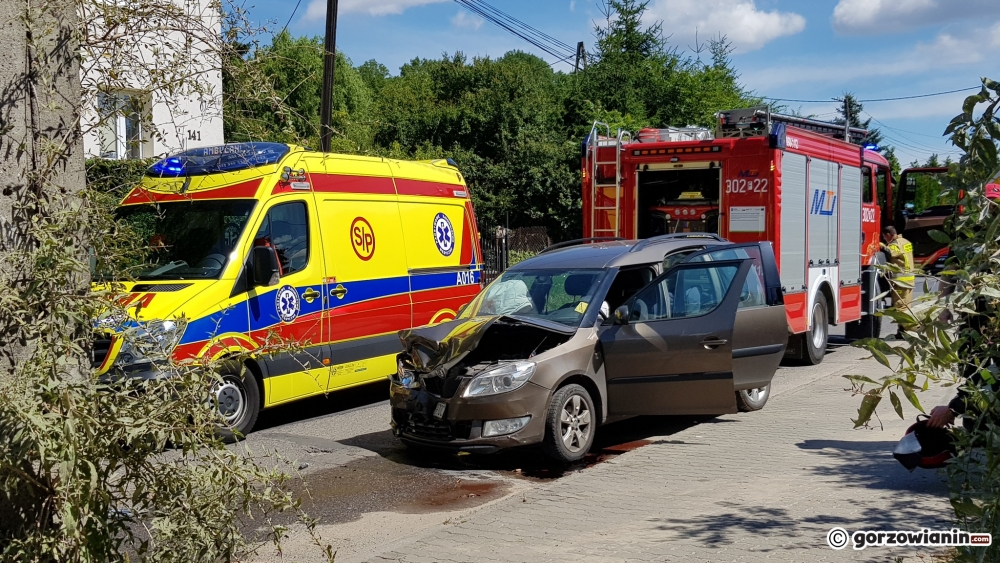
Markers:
point(236, 395)
point(817, 335)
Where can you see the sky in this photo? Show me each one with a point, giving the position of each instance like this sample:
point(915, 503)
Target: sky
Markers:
point(799, 50)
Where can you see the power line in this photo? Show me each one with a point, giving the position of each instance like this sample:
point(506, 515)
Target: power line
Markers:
point(873, 99)
point(291, 16)
point(520, 29)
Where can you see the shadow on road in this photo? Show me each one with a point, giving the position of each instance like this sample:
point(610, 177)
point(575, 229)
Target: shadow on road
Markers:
point(530, 462)
point(323, 405)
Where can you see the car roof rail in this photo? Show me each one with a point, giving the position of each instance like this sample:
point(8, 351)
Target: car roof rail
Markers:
point(575, 242)
point(674, 236)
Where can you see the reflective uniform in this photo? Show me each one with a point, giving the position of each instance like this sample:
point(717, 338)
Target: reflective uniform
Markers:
point(900, 253)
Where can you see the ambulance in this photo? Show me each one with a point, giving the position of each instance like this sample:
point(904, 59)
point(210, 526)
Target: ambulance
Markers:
point(252, 244)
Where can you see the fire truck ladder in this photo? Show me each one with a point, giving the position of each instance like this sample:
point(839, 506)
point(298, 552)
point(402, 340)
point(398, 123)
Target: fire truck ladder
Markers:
point(595, 141)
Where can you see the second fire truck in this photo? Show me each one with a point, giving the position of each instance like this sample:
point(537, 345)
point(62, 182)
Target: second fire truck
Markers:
point(793, 181)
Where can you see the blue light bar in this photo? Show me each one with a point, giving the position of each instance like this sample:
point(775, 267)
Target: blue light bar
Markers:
point(871, 147)
point(218, 159)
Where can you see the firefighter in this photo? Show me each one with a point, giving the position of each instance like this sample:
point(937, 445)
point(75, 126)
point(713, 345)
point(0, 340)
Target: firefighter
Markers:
point(900, 252)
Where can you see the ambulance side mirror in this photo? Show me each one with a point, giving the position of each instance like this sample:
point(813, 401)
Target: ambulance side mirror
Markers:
point(264, 267)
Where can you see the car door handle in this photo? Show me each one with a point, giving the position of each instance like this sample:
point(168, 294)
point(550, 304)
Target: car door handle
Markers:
point(712, 342)
point(310, 295)
point(339, 292)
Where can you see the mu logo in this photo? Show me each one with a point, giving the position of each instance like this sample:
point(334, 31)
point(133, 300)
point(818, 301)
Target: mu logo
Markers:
point(824, 203)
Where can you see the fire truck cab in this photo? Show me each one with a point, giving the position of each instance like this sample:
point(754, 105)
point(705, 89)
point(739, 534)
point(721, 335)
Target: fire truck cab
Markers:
point(759, 176)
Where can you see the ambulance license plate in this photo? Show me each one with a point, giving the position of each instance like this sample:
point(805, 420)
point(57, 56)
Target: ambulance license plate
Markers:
point(439, 410)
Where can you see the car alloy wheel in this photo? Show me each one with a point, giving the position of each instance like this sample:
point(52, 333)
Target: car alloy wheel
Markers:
point(575, 424)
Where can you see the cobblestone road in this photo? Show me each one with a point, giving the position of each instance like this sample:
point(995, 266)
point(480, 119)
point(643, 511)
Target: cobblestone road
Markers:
point(764, 486)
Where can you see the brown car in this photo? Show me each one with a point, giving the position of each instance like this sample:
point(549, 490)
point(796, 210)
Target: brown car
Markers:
point(590, 333)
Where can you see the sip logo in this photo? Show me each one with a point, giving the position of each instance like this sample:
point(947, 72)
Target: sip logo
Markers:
point(824, 203)
point(363, 238)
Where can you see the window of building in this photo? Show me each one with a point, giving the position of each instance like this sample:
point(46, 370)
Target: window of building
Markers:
point(120, 130)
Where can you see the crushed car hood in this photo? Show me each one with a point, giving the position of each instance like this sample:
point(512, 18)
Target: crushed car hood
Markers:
point(438, 348)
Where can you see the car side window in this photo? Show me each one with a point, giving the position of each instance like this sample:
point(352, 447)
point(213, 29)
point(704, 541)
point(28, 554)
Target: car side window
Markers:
point(685, 292)
point(752, 294)
point(286, 228)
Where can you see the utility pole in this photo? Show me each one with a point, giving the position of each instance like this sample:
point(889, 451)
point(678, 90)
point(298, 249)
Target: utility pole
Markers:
point(581, 56)
point(329, 66)
point(847, 119)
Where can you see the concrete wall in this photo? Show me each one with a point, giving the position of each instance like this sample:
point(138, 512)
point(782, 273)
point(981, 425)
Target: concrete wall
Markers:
point(56, 112)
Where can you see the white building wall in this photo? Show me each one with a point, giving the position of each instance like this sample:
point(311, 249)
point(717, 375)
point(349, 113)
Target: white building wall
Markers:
point(172, 122)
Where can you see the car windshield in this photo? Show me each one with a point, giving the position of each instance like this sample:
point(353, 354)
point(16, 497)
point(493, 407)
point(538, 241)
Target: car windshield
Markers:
point(556, 295)
point(187, 239)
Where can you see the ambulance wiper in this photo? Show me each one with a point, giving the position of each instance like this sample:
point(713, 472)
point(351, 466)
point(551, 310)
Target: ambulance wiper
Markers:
point(166, 268)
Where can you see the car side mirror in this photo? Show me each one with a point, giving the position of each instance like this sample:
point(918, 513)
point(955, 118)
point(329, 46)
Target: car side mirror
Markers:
point(264, 269)
point(461, 310)
point(621, 315)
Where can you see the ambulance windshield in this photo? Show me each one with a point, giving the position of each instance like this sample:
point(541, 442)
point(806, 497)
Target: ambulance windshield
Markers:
point(186, 239)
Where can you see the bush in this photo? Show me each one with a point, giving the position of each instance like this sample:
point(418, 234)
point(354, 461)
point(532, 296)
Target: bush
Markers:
point(938, 349)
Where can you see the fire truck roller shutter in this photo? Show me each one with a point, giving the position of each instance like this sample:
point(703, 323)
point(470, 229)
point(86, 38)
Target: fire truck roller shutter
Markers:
point(850, 225)
point(823, 213)
point(793, 222)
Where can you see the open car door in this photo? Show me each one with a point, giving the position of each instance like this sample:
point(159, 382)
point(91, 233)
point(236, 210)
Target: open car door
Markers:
point(669, 350)
point(760, 334)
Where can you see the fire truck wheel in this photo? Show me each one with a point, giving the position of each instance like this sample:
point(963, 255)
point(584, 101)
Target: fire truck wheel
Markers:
point(816, 337)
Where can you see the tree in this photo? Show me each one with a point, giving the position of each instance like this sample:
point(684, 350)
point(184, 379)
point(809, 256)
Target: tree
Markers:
point(850, 102)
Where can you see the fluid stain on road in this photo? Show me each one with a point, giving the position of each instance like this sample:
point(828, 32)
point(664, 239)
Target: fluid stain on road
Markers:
point(375, 484)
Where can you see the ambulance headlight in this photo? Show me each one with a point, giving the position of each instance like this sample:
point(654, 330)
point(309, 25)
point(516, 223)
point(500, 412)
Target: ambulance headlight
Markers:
point(153, 341)
point(501, 379)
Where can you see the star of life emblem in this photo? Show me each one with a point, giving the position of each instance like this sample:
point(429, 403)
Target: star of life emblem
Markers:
point(444, 234)
point(286, 302)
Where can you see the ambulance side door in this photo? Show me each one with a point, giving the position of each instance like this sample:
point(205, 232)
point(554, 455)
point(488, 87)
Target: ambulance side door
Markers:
point(290, 313)
point(366, 293)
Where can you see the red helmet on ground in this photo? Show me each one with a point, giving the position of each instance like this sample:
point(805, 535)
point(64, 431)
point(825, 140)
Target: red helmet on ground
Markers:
point(925, 447)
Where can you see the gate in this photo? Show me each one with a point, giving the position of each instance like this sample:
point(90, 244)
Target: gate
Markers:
point(503, 247)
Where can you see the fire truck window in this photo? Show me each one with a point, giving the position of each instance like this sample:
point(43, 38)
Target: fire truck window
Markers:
point(866, 184)
point(286, 228)
point(881, 180)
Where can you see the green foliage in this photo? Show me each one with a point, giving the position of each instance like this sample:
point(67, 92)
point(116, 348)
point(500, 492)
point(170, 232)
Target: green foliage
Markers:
point(513, 124)
point(938, 351)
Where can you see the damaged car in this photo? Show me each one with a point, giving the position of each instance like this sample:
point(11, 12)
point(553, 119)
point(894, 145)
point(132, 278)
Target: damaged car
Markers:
point(592, 332)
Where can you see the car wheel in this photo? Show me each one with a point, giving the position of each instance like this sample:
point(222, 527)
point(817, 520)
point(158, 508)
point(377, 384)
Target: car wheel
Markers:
point(237, 398)
point(815, 338)
point(752, 399)
point(570, 424)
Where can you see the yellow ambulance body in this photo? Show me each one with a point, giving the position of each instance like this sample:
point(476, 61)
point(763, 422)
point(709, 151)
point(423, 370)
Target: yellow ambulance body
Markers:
point(255, 244)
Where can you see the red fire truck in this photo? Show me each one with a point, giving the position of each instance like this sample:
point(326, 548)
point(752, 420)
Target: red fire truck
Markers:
point(759, 176)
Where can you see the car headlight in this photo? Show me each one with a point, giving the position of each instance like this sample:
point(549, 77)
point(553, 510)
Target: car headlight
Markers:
point(153, 341)
point(501, 379)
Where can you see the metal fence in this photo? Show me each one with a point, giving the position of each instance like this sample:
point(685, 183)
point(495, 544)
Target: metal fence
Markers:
point(504, 247)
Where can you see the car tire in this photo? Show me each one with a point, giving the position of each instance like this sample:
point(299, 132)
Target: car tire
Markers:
point(570, 423)
point(237, 396)
point(814, 340)
point(748, 400)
